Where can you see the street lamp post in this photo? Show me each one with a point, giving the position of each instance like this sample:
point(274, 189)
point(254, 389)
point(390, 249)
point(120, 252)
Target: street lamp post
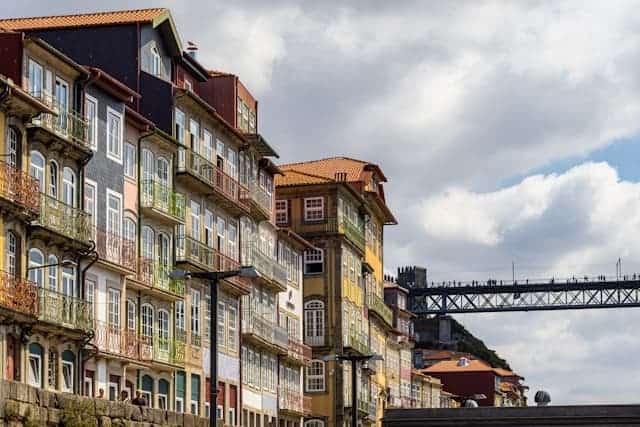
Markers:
point(354, 359)
point(214, 277)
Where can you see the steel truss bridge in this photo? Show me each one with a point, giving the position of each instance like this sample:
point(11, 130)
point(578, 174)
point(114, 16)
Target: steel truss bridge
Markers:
point(493, 296)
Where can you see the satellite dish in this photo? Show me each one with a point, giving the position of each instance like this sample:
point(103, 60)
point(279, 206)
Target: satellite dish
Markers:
point(542, 398)
point(470, 403)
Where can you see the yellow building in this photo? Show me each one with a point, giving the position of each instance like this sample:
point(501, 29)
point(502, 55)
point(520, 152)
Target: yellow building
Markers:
point(338, 204)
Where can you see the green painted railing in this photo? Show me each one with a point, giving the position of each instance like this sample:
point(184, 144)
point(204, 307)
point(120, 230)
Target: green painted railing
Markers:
point(65, 310)
point(64, 219)
point(156, 275)
point(159, 196)
point(194, 251)
point(377, 304)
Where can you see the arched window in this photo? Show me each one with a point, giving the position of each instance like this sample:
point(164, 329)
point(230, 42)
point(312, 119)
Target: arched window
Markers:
point(68, 363)
point(35, 365)
point(53, 179)
point(163, 393)
point(13, 146)
point(146, 312)
point(36, 168)
point(314, 322)
point(12, 251)
point(68, 186)
point(52, 277)
point(315, 376)
point(163, 330)
point(162, 171)
point(314, 423)
point(147, 165)
point(36, 259)
point(129, 229)
point(155, 61)
point(147, 242)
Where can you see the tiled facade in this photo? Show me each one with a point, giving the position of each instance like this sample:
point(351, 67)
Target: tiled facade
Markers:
point(123, 165)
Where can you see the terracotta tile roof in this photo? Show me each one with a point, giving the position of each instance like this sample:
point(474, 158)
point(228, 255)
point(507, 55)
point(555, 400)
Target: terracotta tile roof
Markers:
point(82, 20)
point(452, 366)
point(218, 73)
point(505, 373)
point(291, 177)
point(328, 168)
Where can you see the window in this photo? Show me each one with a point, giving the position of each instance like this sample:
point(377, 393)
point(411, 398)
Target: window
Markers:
point(91, 113)
point(315, 376)
point(36, 168)
point(220, 323)
point(207, 318)
point(195, 312)
point(313, 261)
point(130, 160)
point(282, 211)
point(195, 394)
point(131, 316)
point(114, 309)
point(36, 259)
point(155, 62)
point(35, 365)
point(114, 135)
point(68, 186)
point(232, 235)
point(195, 220)
point(147, 243)
point(68, 361)
point(53, 179)
point(114, 214)
point(314, 322)
point(208, 228)
point(68, 281)
point(12, 146)
point(129, 232)
point(180, 318)
point(232, 325)
point(180, 126)
point(35, 83)
point(52, 277)
point(314, 209)
point(52, 369)
point(90, 191)
point(12, 249)
point(147, 320)
point(163, 330)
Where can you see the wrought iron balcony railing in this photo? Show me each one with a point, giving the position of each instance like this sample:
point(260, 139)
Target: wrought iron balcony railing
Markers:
point(18, 294)
point(268, 267)
point(115, 340)
point(291, 400)
point(157, 275)
point(115, 249)
point(253, 193)
point(377, 304)
point(64, 219)
point(68, 125)
point(194, 251)
point(159, 196)
point(357, 342)
point(352, 232)
point(64, 310)
point(19, 187)
point(265, 329)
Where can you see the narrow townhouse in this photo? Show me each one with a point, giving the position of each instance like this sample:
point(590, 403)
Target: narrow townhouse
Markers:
point(328, 202)
point(52, 247)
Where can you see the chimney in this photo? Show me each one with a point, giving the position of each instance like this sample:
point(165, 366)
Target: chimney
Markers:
point(192, 49)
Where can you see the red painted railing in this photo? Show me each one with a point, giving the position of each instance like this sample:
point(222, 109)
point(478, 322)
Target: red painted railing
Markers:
point(19, 187)
point(18, 294)
point(114, 340)
point(116, 249)
point(298, 350)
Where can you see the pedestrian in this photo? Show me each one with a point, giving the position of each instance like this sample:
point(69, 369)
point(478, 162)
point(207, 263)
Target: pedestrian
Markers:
point(101, 393)
point(138, 401)
point(124, 396)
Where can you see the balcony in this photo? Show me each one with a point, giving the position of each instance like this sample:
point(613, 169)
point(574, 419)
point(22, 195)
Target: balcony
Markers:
point(361, 401)
point(64, 310)
point(114, 249)
point(257, 198)
point(161, 202)
point(271, 272)
point(353, 234)
point(293, 402)
point(194, 252)
point(65, 131)
point(156, 276)
point(377, 305)
point(357, 342)
point(298, 352)
point(19, 192)
point(65, 221)
point(18, 295)
point(264, 332)
point(206, 177)
point(110, 339)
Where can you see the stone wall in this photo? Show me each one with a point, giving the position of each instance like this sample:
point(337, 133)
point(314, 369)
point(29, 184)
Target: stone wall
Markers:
point(23, 405)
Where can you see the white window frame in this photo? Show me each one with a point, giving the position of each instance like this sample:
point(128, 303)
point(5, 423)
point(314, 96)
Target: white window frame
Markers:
point(12, 249)
point(132, 320)
point(69, 181)
point(130, 160)
point(320, 377)
point(67, 388)
point(91, 202)
point(313, 213)
point(35, 382)
point(115, 156)
point(314, 322)
point(282, 213)
point(35, 170)
point(179, 404)
point(113, 308)
point(36, 275)
point(118, 197)
point(147, 327)
point(312, 257)
point(92, 121)
point(195, 311)
point(156, 62)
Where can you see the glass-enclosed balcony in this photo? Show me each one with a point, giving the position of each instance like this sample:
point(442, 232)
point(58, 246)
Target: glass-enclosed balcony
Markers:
point(66, 220)
point(206, 177)
point(115, 249)
point(343, 226)
point(18, 190)
point(64, 310)
point(271, 272)
point(17, 294)
point(357, 342)
point(194, 252)
point(298, 351)
point(265, 330)
point(66, 129)
point(157, 276)
point(168, 351)
point(260, 201)
point(292, 401)
point(352, 232)
point(161, 200)
point(377, 305)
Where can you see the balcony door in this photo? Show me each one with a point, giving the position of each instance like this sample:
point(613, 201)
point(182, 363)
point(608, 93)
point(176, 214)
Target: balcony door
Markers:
point(13, 148)
point(62, 102)
point(164, 259)
point(162, 174)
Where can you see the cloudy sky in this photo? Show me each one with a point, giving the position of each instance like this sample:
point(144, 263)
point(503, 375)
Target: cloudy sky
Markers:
point(508, 131)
